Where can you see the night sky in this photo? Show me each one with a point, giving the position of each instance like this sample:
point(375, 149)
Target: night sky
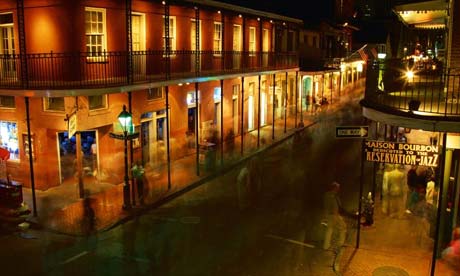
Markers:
point(316, 9)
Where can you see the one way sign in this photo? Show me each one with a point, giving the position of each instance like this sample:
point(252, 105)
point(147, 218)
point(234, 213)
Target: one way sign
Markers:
point(351, 131)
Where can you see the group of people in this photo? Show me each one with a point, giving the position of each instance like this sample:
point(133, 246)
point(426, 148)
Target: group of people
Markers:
point(407, 192)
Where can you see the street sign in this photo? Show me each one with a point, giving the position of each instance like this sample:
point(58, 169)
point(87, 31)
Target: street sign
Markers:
point(72, 125)
point(351, 131)
point(121, 136)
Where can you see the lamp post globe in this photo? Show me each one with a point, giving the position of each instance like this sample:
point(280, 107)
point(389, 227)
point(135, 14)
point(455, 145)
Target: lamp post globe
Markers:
point(125, 119)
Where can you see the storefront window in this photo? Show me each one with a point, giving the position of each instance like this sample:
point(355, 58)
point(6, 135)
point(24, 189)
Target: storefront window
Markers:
point(9, 138)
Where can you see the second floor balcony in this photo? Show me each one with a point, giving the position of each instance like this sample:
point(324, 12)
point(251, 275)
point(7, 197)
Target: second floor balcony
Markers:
point(424, 91)
point(54, 71)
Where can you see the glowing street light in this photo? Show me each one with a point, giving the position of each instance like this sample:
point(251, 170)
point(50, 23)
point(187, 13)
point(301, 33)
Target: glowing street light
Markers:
point(125, 118)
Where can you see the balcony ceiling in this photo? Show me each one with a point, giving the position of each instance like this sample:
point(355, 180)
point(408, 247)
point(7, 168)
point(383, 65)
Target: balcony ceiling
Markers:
point(423, 15)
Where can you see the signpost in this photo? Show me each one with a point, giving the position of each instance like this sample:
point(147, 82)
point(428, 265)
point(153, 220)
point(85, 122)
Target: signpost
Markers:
point(351, 131)
point(401, 153)
point(72, 124)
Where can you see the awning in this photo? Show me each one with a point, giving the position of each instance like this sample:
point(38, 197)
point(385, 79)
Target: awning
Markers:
point(423, 15)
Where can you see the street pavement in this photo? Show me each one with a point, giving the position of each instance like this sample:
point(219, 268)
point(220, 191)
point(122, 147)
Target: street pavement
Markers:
point(185, 221)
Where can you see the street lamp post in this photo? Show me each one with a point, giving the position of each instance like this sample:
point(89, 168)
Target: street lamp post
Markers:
point(125, 119)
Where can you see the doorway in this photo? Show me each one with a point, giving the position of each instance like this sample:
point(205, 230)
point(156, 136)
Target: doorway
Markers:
point(263, 109)
point(68, 158)
point(153, 135)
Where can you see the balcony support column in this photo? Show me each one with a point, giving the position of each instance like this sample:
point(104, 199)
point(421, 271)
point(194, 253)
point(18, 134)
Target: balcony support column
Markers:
point(31, 159)
point(273, 107)
point(131, 156)
point(197, 41)
point(22, 44)
point(129, 44)
point(296, 97)
point(258, 114)
point(197, 130)
point(167, 53)
point(168, 151)
point(221, 122)
point(285, 101)
point(242, 116)
point(222, 47)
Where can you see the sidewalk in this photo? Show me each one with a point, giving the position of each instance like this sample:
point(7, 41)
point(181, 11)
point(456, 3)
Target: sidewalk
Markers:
point(60, 209)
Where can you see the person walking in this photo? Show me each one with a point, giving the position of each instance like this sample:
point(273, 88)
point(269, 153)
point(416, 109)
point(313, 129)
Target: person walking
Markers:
point(138, 175)
point(333, 219)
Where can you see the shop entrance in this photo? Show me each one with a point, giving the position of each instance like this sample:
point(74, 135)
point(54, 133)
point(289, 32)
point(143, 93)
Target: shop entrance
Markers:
point(68, 158)
point(153, 135)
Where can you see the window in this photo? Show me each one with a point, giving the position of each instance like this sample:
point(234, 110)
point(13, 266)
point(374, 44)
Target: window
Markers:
point(290, 41)
point(9, 138)
point(7, 102)
point(172, 34)
point(252, 41)
point(8, 63)
point(54, 104)
point(155, 93)
point(217, 46)
point(97, 102)
point(95, 32)
point(314, 42)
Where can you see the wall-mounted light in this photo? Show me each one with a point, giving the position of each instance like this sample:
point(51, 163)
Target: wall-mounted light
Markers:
point(218, 12)
point(163, 2)
point(271, 21)
point(258, 18)
point(239, 15)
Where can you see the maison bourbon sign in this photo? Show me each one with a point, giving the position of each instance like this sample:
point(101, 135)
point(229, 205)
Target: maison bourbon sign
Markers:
point(401, 153)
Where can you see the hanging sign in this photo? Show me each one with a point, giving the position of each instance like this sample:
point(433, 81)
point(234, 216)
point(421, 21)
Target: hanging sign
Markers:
point(72, 124)
point(401, 153)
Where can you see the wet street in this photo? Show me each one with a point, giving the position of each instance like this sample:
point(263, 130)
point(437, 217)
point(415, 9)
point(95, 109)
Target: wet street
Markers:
point(205, 232)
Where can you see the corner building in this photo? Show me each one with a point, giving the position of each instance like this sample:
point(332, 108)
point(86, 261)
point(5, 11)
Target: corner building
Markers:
point(411, 99)
point(195, 75)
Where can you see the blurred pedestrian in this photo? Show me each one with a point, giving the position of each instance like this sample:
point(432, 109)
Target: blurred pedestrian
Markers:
point(89, 218)
point(333, 218)
point(451, 255)
point(138, 176)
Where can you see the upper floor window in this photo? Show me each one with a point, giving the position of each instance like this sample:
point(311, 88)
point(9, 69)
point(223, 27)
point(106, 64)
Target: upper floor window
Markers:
point(290, 41)
point(172, 34)
point(155, 93)
point(54, 104)
point(97, 102)
point(252, 40)
point(217, 46)
point(7, 102)
point(95, 32)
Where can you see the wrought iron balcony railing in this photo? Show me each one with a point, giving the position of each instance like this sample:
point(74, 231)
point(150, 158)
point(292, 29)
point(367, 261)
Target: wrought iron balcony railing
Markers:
point(110, 69)
point(424, 89)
